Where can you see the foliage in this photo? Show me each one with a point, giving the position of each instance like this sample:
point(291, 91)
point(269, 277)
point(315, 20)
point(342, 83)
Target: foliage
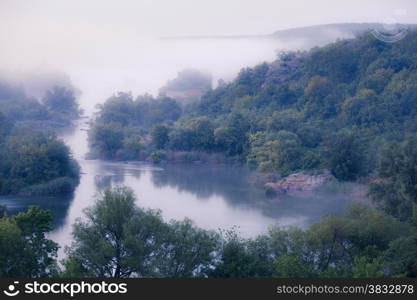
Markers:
point(331, 107)
point(36, 162)
point(24, 249)
point(61, 100)
point(396, 187)
point(118, 239)
point(123, 124)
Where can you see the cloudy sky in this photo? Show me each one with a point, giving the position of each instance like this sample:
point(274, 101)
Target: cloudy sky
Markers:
point(114, 43)
point(194, 17)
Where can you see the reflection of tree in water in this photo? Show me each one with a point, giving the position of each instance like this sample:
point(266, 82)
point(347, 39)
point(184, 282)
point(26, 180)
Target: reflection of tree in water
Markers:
point(114, 175)
point(104, 181)
point(231, 183)
point(59, 209)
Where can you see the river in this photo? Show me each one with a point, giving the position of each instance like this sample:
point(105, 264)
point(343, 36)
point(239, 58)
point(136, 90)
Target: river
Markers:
point(213, 197)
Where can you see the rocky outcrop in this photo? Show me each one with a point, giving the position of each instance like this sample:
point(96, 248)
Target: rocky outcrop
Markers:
point(300, 182)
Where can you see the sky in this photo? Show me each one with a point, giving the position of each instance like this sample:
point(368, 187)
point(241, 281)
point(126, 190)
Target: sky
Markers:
point(194, 17)
point(109, 45)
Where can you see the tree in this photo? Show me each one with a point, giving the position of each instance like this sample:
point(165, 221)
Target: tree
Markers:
point(106, 138)
point(24, 249)
point(344, 156)
point(5, 126)
point(396, 190)
point(34, 224)
point(32, 159)
point(62, 100)
point(292, 266)
point(203, 133)
point(160, 136)
point(401, 256)
point(367, 268)
point(187, 251)
point(277, 152)
point(236, 261)
point(225, 139)
point(117, 239)
point(12, 252)
point(240, 258)
point(133, 145)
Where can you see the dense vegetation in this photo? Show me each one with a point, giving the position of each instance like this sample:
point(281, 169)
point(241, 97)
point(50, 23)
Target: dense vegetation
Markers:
point(332, 107)
point(123, 124)
point(365, 242)
point(35, 162)
point(350, 107)
point(24, 249)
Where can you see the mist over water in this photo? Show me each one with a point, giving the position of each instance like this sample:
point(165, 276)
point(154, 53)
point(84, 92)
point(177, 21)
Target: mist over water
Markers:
point(213, 197)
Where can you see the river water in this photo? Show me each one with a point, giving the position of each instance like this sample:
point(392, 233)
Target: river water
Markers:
point(213, 197)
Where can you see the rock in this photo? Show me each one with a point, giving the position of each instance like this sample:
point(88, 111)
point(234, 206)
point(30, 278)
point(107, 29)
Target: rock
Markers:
point(300, 182)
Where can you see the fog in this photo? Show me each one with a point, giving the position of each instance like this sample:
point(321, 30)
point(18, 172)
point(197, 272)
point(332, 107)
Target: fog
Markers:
point(109, 46)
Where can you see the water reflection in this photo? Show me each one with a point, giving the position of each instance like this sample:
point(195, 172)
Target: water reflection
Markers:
point(57, 205)
point(212, 196)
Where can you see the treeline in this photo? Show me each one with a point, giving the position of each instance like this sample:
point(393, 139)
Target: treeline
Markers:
point(35, 162)
point(122, 126)
point(118, 239)
point(189, 85)
point(332, 107)
point(57, 107)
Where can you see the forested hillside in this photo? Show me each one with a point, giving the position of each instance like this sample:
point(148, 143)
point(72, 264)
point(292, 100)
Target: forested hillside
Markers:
point(332, 107)
point(56, 108)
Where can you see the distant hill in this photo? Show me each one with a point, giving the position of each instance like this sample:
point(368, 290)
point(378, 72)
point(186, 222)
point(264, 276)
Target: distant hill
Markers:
point(324, 34)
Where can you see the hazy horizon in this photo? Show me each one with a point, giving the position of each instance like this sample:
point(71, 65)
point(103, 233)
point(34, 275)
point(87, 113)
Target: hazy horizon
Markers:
point(108, 46)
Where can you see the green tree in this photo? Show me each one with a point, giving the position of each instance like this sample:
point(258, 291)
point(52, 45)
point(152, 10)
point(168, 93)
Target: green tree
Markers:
point(24, 249)
point(226, 140)
point(292, 266)
point(396, 190)
point(133, 145)
point(236, 260)
point(62, 100)
point(36, 159)
point(203, 133)
point(344, 156)
point(106, 138)
point(187, 251)
point(401, 256)
point(160, 136)
point(117, 239)
point(367, 268)
point(280, 152)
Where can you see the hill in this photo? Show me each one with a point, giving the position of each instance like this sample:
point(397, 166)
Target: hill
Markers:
point(331, 107)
